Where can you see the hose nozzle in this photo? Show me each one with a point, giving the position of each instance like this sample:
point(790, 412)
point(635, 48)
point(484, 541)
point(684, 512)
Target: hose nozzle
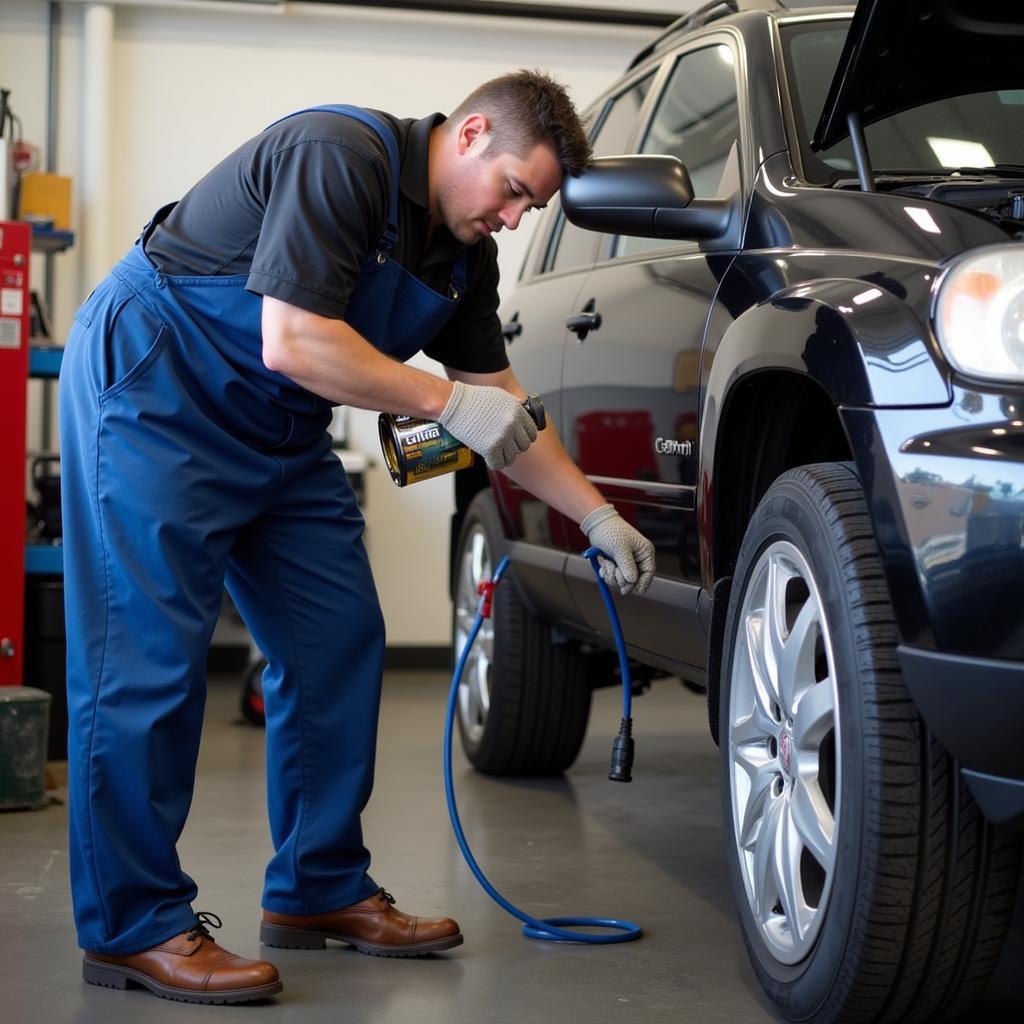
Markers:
point(622, 753)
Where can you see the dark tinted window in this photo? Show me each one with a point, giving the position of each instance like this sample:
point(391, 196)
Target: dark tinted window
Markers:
point(572, 246)
point(697, 120)
point(978, 130)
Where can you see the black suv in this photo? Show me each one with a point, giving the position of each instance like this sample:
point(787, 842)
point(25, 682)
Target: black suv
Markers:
point(784, 334)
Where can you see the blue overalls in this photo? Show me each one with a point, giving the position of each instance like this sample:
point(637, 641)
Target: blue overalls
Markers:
point(187, 465)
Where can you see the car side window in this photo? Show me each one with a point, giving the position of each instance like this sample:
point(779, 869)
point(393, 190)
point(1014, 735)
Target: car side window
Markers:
point(571, 246)
point(697, 120)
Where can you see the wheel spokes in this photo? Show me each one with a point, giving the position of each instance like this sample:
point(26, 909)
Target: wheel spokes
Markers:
point(815, 716)
point(763, 872)
point(474, 690)
point(796, 664)
point(783, 751)
point(760, 768)
point(813, 823)
point(763, 680)
point(786, 867)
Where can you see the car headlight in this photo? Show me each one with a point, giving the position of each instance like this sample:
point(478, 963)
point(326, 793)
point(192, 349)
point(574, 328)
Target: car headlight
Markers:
point(979, 313)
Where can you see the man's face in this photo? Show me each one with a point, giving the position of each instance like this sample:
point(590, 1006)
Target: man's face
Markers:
point(486, 192)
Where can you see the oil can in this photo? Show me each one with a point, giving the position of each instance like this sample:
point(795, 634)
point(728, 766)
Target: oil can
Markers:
point(417, 449)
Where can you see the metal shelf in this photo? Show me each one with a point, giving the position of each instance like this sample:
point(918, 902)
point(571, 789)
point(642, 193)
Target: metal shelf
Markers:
point(50, 240)
point(44, 560)
point(44, 360)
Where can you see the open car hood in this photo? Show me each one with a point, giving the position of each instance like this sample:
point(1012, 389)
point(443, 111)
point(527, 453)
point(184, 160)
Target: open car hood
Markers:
point(904, 53)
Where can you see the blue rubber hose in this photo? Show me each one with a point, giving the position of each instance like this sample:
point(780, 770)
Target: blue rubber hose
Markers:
point(551, 929)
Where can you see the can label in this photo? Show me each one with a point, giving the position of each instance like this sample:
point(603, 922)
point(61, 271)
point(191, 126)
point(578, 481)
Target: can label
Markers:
point(416, 449)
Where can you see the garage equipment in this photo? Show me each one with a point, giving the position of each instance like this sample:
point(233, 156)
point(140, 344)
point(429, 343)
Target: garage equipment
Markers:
point(15, 305)
point(551, 929)
point(24, 727)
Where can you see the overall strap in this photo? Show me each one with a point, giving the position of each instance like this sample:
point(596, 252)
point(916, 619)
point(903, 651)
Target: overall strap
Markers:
point(457, 288)
point(387, 136)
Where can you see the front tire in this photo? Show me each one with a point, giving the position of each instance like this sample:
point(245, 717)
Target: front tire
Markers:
point(869, 887)
point(524, 698)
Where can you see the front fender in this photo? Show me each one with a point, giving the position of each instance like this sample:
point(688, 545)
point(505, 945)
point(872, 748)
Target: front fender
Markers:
point(859, 342)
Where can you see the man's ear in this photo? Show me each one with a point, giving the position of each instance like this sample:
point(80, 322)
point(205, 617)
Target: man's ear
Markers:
point(473, 130)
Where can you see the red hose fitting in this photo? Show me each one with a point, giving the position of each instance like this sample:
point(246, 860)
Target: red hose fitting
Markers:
point(486, 590)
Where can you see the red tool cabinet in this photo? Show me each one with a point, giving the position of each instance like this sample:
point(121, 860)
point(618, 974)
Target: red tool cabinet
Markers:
point(15, 307)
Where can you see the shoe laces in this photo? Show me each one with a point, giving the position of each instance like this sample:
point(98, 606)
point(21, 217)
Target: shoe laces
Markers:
point(385, 895)
point(200, 929)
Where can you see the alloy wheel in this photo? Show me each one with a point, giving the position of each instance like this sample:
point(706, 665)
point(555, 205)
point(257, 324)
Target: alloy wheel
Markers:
point(475, 687)
point(784, 760)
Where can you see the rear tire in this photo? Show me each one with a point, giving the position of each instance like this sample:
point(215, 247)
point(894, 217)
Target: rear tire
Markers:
point(870, 888)
point(524, 699)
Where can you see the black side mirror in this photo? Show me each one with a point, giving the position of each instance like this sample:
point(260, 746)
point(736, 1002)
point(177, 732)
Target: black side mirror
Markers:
point(645, 195)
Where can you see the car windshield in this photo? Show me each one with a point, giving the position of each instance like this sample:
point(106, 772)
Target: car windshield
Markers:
point(979, 130)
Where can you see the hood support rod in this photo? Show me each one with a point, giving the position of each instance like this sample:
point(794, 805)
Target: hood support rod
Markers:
point(860, 151)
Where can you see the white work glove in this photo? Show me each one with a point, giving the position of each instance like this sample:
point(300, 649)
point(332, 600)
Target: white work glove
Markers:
point(630, 561)
point(489, 420)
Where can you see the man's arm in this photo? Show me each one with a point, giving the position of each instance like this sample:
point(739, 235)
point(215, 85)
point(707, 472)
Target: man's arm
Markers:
point(331, 359)
point(545, 469)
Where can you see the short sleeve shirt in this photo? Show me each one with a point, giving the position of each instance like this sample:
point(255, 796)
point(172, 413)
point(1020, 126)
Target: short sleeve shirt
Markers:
point(300, 207)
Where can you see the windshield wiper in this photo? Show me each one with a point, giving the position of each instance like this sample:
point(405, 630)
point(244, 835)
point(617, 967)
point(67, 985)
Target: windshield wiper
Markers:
point(995, 171)
point(892, 179)
point(897, 177)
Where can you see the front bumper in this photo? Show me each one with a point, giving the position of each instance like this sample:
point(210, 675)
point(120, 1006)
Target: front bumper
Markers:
point(975, 707)
point(945, 488)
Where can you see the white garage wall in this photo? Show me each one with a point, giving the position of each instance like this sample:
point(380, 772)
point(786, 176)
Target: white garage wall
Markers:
point(192, 83)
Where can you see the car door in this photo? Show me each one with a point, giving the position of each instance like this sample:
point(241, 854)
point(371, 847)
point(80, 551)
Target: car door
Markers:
point(631, 367)
point(534, 322)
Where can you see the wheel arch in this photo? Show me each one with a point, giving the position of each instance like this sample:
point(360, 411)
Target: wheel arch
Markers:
point(772, 421)
point(806, 428)
point(774, 387)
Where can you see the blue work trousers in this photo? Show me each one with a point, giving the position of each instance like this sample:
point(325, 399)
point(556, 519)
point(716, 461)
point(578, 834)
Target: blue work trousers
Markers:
point(181, 473)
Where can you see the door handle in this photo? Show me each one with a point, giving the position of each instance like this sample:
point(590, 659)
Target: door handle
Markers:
point(512, 329)
point(587, 320)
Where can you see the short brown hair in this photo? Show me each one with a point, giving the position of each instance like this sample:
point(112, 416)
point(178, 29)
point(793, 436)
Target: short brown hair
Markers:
point(526, 108)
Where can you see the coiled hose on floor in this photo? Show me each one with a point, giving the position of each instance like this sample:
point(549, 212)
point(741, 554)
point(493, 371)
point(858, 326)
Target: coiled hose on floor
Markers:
point(551, 929)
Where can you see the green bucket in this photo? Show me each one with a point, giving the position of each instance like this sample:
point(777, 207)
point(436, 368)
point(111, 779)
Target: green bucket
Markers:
point(24, 731)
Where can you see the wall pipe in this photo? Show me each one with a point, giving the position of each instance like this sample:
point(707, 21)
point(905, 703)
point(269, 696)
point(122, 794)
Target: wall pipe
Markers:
point(575, 13)
point(97, 141)
point(53, 72)
point(52, 125)
point(513, 9)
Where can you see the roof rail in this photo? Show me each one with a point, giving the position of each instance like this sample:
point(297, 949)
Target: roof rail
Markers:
point(701, 16)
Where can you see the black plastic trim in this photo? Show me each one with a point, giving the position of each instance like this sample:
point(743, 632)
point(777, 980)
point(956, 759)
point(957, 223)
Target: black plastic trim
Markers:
point(1001, 800)
point(975, 706)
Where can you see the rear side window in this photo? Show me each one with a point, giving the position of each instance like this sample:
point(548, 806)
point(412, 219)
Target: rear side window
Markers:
point(570, 246)
point(697, 120)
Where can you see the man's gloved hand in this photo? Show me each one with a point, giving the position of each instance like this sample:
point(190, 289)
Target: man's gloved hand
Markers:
point(489, 420)
point(630, 562)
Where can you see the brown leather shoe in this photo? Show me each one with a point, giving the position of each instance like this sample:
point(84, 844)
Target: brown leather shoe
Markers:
point(189, 967)
point(373, 926)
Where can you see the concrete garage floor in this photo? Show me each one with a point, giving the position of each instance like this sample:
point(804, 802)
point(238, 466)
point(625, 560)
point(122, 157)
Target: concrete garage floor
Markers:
point(651, 851)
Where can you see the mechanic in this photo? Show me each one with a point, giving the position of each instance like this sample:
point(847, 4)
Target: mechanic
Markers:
point(197, 388)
